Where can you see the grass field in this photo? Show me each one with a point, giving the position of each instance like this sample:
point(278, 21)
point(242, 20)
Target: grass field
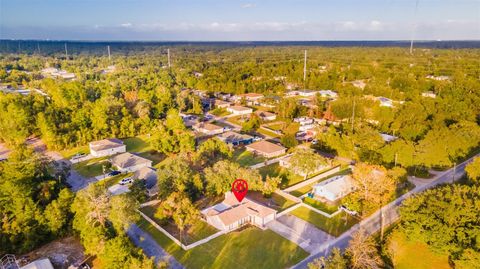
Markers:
point(334, 226)
point(91, 168)
point(69, 153)
point(246, 158)
point(248, 248)
point(276, 201)
point(275, 170)
point(410, 254)
point(267, 133)
point(198, 231)
point(141, 146)
point(327, 208)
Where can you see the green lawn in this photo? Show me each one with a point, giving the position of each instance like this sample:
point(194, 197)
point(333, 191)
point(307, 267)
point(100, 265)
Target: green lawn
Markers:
point(69, 153)
point(275, 201)
point(139, 143)
point(248, 248)
point(219, 112)
point(275, 170)
point(246, 158)
point(327, 208)
point(334, 226)
point(198, 231)
point(407, 254)
point(91, 168)
point(267, 133)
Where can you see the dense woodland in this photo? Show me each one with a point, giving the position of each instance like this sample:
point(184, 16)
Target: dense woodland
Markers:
point(145, 96)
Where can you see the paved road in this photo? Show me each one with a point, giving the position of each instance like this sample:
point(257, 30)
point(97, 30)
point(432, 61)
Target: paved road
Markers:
point(372, 223)
point(150, 247)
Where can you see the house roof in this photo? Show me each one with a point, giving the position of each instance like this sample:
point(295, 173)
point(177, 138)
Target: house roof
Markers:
point(238, 210)
point(239, 108)
point(208, 126)
point(148, 174)
point(106, 144)
point(221, 102)
point(265, 147)
point(337, 185)
point(233, 136)
point(264, 113)
point(128, 159)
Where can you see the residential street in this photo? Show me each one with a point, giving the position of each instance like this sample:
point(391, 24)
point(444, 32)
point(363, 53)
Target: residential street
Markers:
point(372, 224)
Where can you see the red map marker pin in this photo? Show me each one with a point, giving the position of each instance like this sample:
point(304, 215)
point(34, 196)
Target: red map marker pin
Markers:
point(239, 189)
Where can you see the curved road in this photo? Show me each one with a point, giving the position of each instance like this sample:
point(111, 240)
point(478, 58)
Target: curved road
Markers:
point(372, 224)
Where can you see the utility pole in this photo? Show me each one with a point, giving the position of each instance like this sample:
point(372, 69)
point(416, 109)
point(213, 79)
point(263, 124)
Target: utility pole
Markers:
point(168, 55)
point(108, 49)
point(414, 27)
point(396, 156)
point(305, 68)
point(38, 47)
point(66, 51)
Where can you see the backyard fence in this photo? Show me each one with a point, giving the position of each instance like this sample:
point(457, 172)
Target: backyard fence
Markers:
point(313, 179)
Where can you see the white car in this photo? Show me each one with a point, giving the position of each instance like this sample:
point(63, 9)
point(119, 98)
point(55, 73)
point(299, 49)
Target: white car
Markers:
point(127, 180)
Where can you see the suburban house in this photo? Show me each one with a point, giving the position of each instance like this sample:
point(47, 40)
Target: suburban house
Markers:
point(235, 139)
point(334, 188)
point(231, 214)
point(56, 73)
point(189, 120)
point(265, 115)
point(239, 110)
point(285, 162)
point(149, 175)
point(251, 98)
point(429, 94)
point(128, 162)
point(385, 101)
point(106, 147)
point(266, 149)
point(307, 93)
point(222, 104)
point(208, 128)
point(304, 120)
point(328, 93)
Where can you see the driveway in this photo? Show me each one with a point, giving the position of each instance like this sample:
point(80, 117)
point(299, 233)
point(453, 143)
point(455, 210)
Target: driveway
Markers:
point(118, 189)
point(302, 233)
point(150, 247)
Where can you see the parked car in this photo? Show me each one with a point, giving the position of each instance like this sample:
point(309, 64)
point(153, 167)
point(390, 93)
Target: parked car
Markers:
point(257, 138)
point(127, 180)
point(114, 173)
point(78, 155)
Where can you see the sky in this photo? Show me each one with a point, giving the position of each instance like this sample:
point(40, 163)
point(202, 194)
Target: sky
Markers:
point(236, 20)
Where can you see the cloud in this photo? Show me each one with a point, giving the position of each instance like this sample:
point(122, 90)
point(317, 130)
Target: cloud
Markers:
point(126, 25)
point(249, 5)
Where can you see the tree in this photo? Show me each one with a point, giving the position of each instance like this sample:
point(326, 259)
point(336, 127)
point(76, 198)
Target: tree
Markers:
point(57, 213)
point(178, 207)
point(212, 150)
point(221, 175)
point(473, 170)
point(446, 218)
point(270, 185)
point(362, 252)
point(288, 140)
point(252, 124)
point(305, 161)
point(176, 175)
point(374, 187)
point(334, 261)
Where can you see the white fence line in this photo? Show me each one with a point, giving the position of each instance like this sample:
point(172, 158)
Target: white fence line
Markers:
point(269, 162)
point(81, 159)
point(288, 210)
point(320, 211)
point(313, 179)
point(153, 202)
point(162, 230)
point(288, 196)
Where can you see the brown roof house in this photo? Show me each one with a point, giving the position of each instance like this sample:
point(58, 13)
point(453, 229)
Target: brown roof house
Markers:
point(222, 104)
point(239, 110)
point(208, 128)
point(266, 149)
point(265, 115)
point(128, 162)
point(251, 98)
point(106, 147)
point(231, 214)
